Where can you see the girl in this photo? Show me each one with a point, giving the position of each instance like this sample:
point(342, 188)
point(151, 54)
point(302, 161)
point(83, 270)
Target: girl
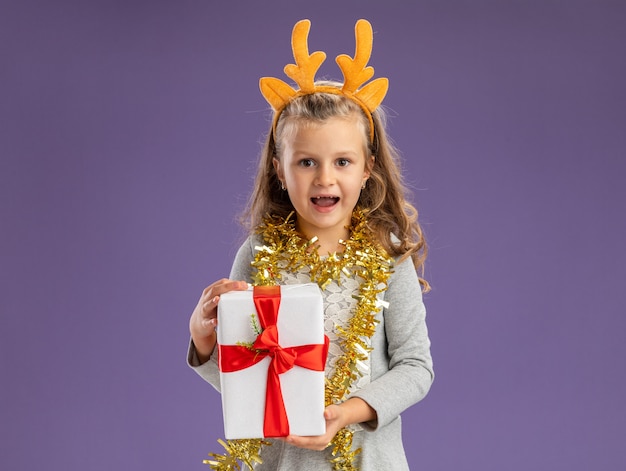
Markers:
point(329, 206)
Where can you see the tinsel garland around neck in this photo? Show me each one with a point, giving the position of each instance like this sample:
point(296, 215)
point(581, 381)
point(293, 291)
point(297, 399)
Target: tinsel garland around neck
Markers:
point(285, 249)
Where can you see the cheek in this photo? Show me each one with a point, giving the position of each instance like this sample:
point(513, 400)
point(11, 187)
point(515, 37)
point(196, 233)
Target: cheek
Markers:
point(353, 191)
point(290, 176)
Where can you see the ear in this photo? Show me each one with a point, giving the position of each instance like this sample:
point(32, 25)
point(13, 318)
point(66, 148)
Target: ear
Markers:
point(369, 165)
point(278, 168)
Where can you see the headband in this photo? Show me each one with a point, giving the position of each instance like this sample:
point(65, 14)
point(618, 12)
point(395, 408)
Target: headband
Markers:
point(355, 73)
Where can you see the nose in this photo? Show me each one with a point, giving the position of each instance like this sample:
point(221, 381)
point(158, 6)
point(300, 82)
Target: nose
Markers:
point(325, 175)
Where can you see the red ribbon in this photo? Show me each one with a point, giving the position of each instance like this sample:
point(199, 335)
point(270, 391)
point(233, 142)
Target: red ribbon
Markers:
point(234, 358)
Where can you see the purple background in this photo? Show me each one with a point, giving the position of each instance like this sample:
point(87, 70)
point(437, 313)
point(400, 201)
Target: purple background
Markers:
point(129, 132)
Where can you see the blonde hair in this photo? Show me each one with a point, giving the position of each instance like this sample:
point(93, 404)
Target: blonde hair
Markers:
point(384, 197)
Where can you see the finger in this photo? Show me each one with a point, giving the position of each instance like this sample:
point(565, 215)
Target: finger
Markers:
point(318, 443)
point(223, 286)
point(209, 324)
point(210, 305)
point(232, 285)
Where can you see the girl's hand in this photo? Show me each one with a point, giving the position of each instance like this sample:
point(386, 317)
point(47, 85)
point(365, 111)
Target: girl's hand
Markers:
point(203, 320)
point(353, 411)
point(334, 422)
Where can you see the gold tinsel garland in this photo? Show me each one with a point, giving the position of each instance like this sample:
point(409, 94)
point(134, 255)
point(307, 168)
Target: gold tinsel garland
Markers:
point(285, 249)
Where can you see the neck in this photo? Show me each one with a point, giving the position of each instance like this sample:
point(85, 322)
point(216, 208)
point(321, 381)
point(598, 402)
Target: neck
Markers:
point(328, 248)
point(327, 241)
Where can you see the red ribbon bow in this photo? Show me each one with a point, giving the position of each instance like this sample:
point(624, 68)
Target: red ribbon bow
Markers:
point(234, 358)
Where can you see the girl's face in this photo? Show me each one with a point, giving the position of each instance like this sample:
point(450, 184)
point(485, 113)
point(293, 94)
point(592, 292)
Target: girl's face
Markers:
point(323, 166)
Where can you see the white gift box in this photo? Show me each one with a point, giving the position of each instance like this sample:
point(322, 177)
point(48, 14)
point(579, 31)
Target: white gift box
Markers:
point(299, 322)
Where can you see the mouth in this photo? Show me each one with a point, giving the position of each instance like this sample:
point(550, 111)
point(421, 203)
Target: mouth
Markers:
point(325, 201)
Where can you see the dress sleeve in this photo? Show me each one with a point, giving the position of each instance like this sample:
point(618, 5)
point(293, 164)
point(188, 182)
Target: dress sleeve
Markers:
point(241, 270)
point(402, 367)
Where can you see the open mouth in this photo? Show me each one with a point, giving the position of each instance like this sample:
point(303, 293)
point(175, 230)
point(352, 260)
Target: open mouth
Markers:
point(325, 201)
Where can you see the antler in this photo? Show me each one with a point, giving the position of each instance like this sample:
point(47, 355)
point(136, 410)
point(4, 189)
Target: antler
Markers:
point(303, 72)
point(277, 92)
point(355, 72)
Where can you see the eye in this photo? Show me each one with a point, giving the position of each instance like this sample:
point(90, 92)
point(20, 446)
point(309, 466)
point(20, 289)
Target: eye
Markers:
point(306, 163)
point(343, 162)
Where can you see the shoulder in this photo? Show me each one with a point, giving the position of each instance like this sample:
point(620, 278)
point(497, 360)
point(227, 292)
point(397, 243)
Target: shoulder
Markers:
point(404, 292)
point(401, 266)
point(404, 272)
point(248, 247)
point(252, 241)
point(404, 275)
point(241, 269)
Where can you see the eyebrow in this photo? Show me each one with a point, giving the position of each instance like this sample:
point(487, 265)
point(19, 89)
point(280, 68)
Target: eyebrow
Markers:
point(302, 152)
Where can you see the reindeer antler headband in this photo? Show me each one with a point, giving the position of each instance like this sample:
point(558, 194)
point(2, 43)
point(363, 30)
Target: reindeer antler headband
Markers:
point(355, 73)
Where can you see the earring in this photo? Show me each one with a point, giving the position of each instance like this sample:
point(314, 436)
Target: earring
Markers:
point(282, 185)
point(363, 185)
